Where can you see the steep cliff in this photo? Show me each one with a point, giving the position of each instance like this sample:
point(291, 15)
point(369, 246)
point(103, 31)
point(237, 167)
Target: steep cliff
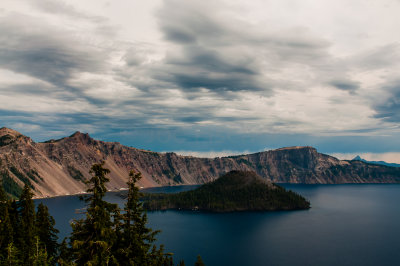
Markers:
point(59, 167)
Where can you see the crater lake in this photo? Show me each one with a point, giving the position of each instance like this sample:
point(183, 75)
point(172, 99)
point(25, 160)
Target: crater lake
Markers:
point(352, 224)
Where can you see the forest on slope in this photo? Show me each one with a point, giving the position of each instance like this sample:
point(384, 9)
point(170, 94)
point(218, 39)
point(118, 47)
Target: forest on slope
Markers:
point(234, 191)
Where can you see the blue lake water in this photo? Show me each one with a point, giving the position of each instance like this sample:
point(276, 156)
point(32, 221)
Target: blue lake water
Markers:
point(347, 225)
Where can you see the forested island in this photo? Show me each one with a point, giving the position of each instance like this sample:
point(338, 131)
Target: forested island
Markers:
point(234, 191)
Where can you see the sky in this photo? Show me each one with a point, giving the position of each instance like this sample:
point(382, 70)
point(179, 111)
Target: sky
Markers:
point(208, 77)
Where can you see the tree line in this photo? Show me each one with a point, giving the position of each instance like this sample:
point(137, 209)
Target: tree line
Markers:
point(234, 191)
point(108, 235)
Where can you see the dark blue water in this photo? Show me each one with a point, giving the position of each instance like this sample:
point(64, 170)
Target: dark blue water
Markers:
point(347, 225)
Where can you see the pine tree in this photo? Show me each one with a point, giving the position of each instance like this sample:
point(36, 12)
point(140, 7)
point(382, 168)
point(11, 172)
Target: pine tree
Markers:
point(12, 256)
point(93, 238)
point(138, 238)
point(118, 247)
point(107, 237)
point(15, 221)
point(157, 257)
point(6, 230)
point(199, 261)
point(65, 257)
point(26, 241)
point(3, 195)
point(40, 257)
point(6, 234)
point(46, 232)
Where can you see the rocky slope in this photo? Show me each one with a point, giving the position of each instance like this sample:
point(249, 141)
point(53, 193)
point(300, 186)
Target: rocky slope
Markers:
point(59, 167)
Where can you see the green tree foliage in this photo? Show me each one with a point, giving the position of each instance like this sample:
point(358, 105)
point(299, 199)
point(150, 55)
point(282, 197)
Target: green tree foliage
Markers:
point(12, 257)
point(3, 195)
point(93, 238)
point(235, 191)
point(45, 230)
point(136, 239)
point(10, 186)
point(26, 241)
point(6, 230)
point(15, 220)
point(106, 236)
point(40, 257)
point(65, 256)
point(26, 236)
point(199, 261)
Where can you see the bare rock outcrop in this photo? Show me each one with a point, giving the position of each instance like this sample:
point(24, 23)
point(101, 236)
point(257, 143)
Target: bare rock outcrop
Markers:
point(60, 167)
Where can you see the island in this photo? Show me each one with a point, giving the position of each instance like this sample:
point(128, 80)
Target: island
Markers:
point(234, 191)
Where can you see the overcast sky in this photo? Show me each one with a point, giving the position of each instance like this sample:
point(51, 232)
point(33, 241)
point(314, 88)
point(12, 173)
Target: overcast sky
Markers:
point(212, 77)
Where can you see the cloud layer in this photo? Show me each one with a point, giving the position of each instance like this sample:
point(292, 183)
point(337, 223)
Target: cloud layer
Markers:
point(206, 74)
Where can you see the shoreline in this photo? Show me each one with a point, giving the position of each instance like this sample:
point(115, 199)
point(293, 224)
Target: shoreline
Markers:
point(112, 191)
point(141, 188)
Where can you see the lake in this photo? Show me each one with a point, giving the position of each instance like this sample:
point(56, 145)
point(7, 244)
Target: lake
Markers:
point(352, 224)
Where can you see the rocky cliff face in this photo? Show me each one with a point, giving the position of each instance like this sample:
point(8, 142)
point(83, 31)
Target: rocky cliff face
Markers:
point(60, 167)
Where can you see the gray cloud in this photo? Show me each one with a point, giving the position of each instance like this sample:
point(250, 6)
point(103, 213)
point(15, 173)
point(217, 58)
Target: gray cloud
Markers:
point(380, 57)
point(29, 47)
point(215, 52)
point(388, 108)
point(59, 7)
point(346, 85)
point(38, 89)
point(213, 71)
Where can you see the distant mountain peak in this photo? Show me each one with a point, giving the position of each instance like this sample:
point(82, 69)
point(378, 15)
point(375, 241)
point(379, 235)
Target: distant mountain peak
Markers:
point(80, 137)
point(78, 133)
point(8, 131)
point(296, 148)
point(59, 167)
point(358, 158)
point(9, 136)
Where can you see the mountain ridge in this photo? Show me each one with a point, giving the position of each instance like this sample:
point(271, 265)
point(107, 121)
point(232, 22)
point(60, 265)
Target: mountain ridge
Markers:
point(60, 167)
point(358, 158)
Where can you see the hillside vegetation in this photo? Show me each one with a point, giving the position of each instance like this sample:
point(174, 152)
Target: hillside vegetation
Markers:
point(234, 191)
point(106, 236)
